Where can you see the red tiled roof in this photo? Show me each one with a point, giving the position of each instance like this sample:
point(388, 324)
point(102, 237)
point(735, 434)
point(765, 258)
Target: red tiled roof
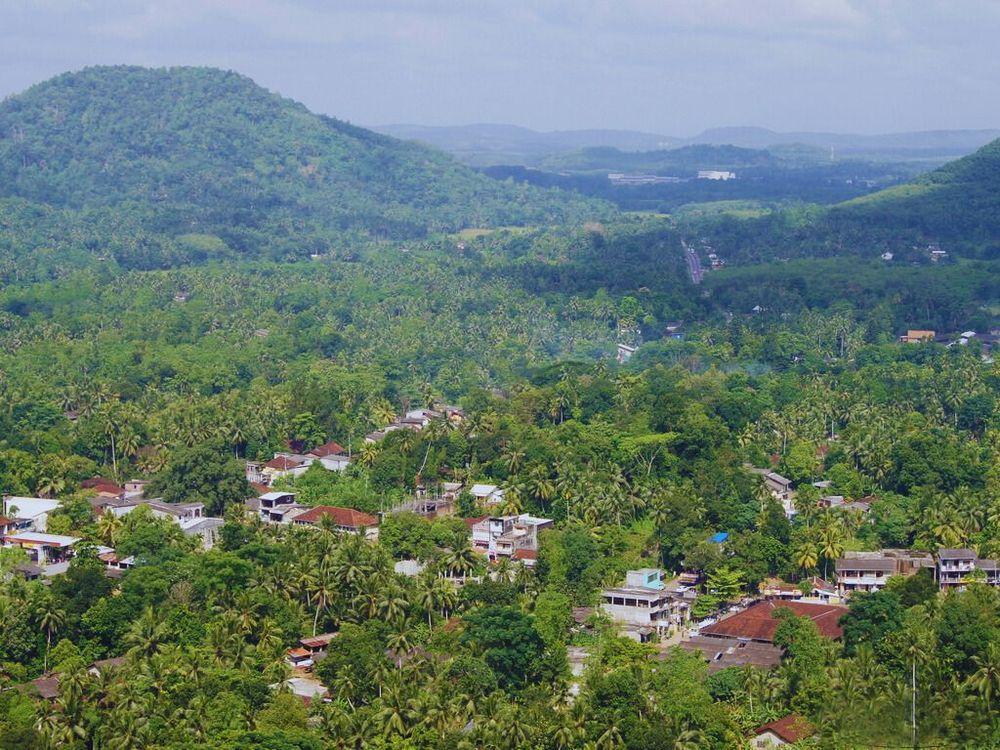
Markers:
point(283, 463)
point(525, 554)
point(260, 489)
point(299, 652)
point(341, 516)
point(791, 728)
point(470, 522)
point(102, 485)
point(318, 641)
point(758, 622)
point(328, 449)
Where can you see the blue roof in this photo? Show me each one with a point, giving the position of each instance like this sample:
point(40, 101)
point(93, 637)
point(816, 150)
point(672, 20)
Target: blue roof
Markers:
point(719, 538)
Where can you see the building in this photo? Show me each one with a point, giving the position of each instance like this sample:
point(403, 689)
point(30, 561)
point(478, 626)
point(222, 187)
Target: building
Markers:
point(269, 505)
point(28, 512)
point(785, 731)
point(870, 571)
point(746, 638)
point(646, 605)
point(332, 456)
point(508, 536)
point(317, 645)
point(956, 568)
point(715, 174)
point(780, 489)
point(487, 495)
point(625, 353)
point(917, 336)
point(43, 549)
point(346, 520)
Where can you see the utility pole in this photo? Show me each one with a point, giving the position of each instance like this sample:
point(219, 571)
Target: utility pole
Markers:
point(913, 701)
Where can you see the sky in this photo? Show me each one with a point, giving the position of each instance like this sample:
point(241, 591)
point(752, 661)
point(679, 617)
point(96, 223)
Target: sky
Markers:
point(672, 67)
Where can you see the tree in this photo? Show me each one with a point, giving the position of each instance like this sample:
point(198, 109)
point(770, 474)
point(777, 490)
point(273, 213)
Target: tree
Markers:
point(51, 619)
point(725, 583)
point(508, 642)
point(205, 473)
point(870, 619)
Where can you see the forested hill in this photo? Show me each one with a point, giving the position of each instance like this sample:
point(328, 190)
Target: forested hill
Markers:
point(959, 202)
point(199, 151)
point(956, 206)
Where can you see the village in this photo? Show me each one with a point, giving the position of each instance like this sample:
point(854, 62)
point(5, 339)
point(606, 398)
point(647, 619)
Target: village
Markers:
point(651, 606)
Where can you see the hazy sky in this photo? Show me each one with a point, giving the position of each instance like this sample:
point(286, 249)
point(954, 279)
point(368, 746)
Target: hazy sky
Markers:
point(668, 66)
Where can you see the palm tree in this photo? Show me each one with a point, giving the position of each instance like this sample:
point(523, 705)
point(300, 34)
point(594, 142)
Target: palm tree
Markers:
point(461, 561)
point(51, 619)
point(805, 556)
point(399, 640)
point(986, 679)
point(831, 542)
point(108, 526)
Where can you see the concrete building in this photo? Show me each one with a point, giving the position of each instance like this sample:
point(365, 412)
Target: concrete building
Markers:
point(646, 605)
point(870, 571)
point(506, 536)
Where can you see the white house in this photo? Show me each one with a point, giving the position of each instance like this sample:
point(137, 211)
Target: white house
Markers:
point(508, 536)
point(646, 604)
point(29, 512)
point(487, 495)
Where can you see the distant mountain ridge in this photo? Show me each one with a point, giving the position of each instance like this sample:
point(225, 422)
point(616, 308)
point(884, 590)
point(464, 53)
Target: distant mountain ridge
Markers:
point(488, 144)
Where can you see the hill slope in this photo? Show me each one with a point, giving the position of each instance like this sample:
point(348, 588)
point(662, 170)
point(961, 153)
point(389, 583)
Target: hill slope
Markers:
point(198, 150)
point(957, 203)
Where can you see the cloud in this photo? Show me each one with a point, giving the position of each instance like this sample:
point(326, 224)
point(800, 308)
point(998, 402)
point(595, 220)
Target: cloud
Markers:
point(669, 65)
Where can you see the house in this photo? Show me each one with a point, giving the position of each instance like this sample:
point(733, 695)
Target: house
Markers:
point(785, 731)
point(870, 571)
point(674, 330)
point(283, 465)
point(44, 549)
point(917, 336)
point(503, 536)
point(487, 495)
point(299, 658)
point(271, 501)
point(103, 487)
point(316, 645)
point(715, 174)
point(781, 489)
point(346, 520)
point(957, 567)
point(29, 512)
point(646, 605)
point(332, 456)
point(746, 638)
point(757, 622)
point(625, 353)
point(818, 590)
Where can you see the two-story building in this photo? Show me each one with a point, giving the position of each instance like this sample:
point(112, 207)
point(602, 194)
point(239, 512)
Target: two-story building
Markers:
point(958, 567)
point(508, 536)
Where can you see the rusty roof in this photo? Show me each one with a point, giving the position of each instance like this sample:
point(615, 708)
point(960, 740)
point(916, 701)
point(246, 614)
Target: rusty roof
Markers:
point(757, 623)
point(341, 516)
point(791, 728)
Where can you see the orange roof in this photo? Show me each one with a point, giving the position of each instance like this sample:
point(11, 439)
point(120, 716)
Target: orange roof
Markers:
point(4, 521)
point(283, 463)
point(328, 449)
point(102, 485)
point(301, 652)
point(260, 489)
point(791, 728)
point(341, 516)
point(525, 554)
point(470, 522)
point(758, 623)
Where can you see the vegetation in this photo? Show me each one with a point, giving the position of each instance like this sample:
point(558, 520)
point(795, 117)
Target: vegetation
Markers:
point(157, 322)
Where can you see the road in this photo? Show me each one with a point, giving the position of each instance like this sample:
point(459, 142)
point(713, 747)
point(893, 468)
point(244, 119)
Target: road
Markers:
point(694, 264)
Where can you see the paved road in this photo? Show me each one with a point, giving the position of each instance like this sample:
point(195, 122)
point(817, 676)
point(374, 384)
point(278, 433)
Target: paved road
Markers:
point(694, 264)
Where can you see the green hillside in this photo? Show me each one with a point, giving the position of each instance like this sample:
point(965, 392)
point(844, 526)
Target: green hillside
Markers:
point(199, 151)
point(957, 203)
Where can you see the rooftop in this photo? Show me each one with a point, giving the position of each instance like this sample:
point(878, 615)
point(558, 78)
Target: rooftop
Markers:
point(956, 554)
point(791, 728)
point(758, 622)
point(36, 537)
point(328, 449)
point(340, 516)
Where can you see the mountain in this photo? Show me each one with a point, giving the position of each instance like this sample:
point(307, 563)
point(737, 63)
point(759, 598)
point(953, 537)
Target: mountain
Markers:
point(929, 144)
point(488, 144)
point(200, 151)
point(687, 159)
point(957, 203)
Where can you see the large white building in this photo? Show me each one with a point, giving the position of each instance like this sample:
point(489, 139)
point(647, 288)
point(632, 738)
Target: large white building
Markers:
point(648, 605)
